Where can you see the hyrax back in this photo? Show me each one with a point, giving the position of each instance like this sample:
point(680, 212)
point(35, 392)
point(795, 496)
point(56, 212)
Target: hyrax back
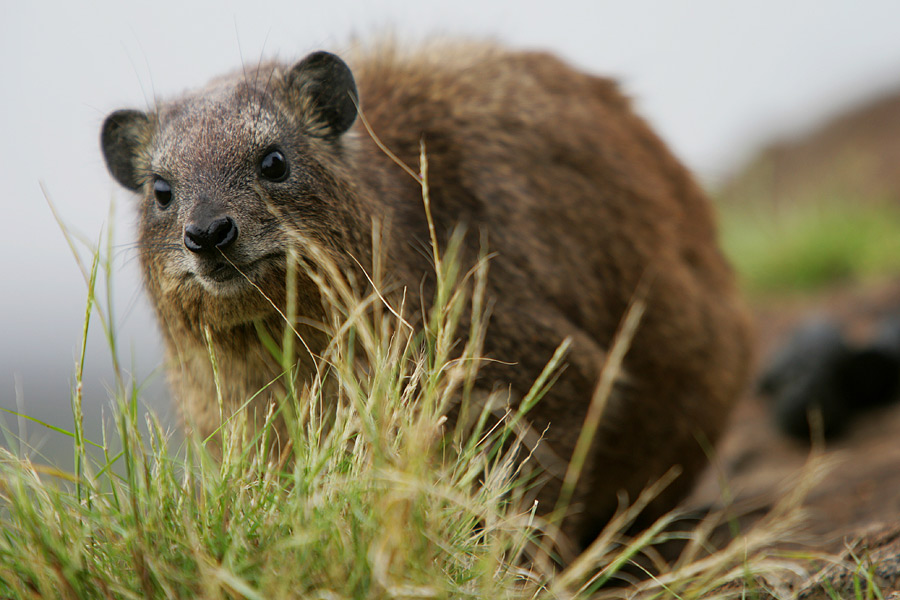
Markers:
point(579, 200)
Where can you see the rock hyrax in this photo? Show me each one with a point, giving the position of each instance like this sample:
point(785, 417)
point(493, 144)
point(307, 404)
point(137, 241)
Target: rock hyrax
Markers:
point(578, 198)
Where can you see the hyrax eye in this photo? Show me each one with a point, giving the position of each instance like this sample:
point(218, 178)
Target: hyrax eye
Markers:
point(273, 166)
point(163, 192)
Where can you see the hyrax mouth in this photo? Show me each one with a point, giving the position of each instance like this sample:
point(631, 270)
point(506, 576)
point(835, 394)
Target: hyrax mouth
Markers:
point(220, 272)
point(221, 275)
point(221, 278)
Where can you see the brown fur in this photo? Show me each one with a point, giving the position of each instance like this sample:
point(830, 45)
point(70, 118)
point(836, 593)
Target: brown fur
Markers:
point(578, 197)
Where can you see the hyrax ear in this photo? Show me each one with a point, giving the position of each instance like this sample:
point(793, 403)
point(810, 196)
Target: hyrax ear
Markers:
point(122, 136)
point(326, 91)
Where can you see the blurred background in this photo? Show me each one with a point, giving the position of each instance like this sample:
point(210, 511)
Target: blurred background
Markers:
point(784, 110)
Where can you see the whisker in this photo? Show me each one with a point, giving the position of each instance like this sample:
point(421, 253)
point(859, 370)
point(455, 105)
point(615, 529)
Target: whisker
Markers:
point(262, 53)
point(237, 35)
point(151, 106)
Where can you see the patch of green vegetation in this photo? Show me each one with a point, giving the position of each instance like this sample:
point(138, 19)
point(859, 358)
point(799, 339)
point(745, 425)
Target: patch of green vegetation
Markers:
point(371, 497)
point(811, 245)
point(373, 493)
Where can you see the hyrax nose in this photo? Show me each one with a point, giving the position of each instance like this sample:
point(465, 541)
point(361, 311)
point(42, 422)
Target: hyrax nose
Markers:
point(208, 236)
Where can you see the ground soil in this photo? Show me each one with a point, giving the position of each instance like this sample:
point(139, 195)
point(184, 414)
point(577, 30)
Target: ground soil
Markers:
point(855, 509)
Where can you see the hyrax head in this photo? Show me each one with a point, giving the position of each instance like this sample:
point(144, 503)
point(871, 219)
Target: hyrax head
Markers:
point(226, 172)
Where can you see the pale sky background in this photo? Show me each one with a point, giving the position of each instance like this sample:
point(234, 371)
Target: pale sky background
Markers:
point(715, 77)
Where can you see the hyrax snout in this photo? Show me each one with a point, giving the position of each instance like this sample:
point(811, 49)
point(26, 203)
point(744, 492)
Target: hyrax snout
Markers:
point(579, 200)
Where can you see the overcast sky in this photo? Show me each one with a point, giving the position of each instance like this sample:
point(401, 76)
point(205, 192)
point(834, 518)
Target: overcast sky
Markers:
point(715, 77)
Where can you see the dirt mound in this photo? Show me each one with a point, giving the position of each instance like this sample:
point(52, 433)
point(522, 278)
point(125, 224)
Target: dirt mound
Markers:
point(854, 156)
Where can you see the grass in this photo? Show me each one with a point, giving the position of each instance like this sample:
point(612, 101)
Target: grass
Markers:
point(809, 245)
point(378, 498)
point(377, 495)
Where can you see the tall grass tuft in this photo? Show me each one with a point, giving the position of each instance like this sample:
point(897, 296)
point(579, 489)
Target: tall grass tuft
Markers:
point(375, 493)
point(373, 496)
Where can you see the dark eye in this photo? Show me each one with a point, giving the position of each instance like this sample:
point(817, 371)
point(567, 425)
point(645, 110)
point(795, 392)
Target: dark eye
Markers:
point(163, 192)
point(273, 166)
